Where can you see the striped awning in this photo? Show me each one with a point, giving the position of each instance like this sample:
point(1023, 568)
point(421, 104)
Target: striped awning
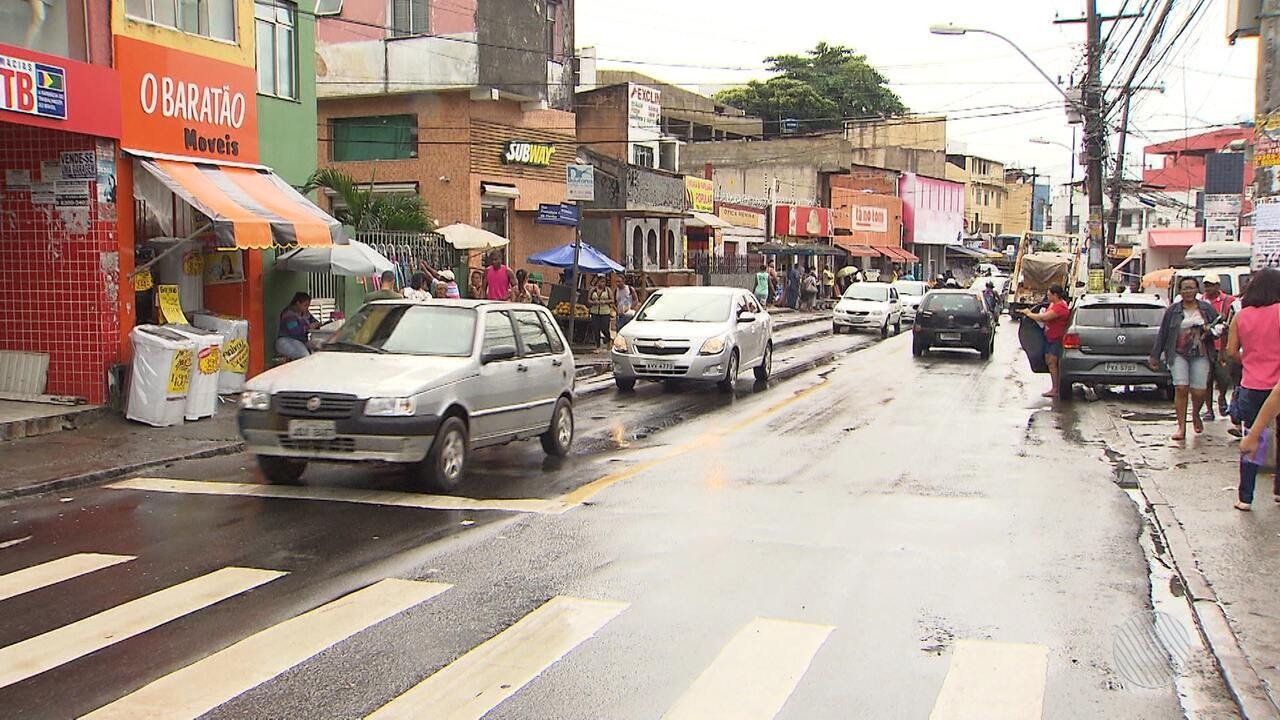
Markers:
point(249, 208)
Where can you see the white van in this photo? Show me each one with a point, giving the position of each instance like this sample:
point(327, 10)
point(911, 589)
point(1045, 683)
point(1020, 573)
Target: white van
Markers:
point(1228, 260)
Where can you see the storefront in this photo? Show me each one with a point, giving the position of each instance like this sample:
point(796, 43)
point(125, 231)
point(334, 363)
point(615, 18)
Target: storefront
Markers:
point(808, 225)
point(514, 170)
point(63, 315)
point(932, 220)
point(202, 207)
point(869, 227)
point(746, 227)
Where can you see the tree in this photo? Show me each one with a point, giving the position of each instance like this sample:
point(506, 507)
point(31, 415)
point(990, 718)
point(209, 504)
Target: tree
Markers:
point(821, 88)
point(366, 211)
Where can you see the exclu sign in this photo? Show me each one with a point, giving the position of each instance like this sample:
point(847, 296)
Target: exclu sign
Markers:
point(522, 152)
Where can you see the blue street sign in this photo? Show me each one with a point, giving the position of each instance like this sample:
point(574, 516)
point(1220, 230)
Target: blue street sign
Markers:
point(557, 214)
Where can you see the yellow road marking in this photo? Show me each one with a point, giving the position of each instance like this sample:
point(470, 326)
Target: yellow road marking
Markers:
point(474, 684)
point(754, 674)
point(204, 685)
point(55, 571)
point(56, 647)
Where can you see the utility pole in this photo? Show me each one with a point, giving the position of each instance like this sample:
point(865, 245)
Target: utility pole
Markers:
point(1094, 134)
point(1267, 102)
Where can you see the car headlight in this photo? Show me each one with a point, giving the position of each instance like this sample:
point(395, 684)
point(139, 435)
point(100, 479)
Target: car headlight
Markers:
point(620, 345)
point(713, 346)
point(390, 407)
point(254, 400)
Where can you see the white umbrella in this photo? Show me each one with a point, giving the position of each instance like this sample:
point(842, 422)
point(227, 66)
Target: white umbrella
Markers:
point(465, 237)
point(355, 258)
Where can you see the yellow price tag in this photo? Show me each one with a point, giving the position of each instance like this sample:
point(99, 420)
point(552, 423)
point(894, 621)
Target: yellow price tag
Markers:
point(193, 263)
point(143, 281)
point(180, 373)
point(209, 360)
point(235, 356)
point(170, 305)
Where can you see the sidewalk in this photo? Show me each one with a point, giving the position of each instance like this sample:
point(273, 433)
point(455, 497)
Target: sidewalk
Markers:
point(107, 447)
point(1230, 559)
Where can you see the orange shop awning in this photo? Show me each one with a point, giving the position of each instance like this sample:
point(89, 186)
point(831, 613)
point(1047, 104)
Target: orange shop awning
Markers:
point(249, 208)
point(854, 249)
point(905, 256)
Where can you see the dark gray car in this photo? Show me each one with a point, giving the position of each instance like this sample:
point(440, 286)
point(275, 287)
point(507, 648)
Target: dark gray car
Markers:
point(1108, 341)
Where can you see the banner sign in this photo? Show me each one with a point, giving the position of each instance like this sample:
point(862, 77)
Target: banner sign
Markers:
point(644, 109)
point(521, 152)
point(33, 88)
point(869, 218)
point(580, 182)
point(741, 218)
point(801, 221)
point(1266, 235)
point(184, 104)
point(699, 194)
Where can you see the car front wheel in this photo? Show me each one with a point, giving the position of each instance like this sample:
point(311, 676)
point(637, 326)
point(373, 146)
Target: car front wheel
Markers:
point(731, 373)
point(281, 470)
point(447, 461)
point(884, 329)
point(558, 438)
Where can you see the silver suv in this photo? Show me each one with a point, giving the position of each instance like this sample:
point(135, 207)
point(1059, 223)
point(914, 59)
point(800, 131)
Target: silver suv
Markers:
point(420, 384)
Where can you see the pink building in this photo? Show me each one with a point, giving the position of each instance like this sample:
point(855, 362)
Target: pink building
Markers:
point(932, 218)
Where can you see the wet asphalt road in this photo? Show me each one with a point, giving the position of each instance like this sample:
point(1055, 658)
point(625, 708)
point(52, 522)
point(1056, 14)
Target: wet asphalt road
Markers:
point(894, 514)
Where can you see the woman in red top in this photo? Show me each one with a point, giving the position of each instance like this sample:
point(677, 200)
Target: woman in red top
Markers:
point(1055, 319)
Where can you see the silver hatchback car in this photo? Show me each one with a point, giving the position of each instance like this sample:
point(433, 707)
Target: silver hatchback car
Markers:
point(694, 333)
point(420, 384)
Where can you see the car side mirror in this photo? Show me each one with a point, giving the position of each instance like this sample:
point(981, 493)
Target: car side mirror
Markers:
point(746, 318)
point(496, 353)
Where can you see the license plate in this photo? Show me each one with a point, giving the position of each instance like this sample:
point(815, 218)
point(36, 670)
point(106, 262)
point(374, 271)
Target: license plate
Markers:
point(949, 337)
point(312, 430)
point(661, 366)
point(1120, 368)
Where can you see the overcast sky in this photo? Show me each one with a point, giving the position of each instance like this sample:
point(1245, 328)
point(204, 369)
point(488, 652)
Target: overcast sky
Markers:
point(1206, 80)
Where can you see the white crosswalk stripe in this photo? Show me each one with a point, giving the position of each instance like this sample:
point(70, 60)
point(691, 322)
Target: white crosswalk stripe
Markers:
point(389, 498)
point(993, 681)
point(495, 670)
point(208, 683)
point(754, 674)
point(55, 571)
point(56, 647)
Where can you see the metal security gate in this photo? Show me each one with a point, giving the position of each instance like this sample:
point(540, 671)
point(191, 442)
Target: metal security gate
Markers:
point(406, 250)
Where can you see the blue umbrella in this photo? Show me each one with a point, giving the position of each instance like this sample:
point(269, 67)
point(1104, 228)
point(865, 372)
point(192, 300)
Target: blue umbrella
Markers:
point(590, 260)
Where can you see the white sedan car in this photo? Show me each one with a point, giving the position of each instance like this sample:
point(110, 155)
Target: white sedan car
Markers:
point(694, 333)
point(910, 293)
point(868, 306)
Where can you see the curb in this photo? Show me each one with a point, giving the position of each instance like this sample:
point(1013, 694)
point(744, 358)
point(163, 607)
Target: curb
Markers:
point(100, 476)
point(1238, 674)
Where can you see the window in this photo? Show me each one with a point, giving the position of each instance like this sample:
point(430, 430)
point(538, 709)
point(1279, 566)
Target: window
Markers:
point(553, 334)
point(637, 249)
point(277, 48)
point(494, 218)
point(387, 137)
point(553, 19)
point(642, 155)
point(1126, 219)
point(497, 331)
point(651, 252)
point(671, 248)
point(532, 335)
point(408, 18)
point(999, 200)
point(408, 330)
point(208, 18)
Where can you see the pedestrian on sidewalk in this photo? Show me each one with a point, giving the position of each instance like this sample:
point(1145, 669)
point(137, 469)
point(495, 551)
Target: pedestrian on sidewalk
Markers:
point(386, 289)
point(601, 303)
point(1182, 343)
point(475, 286)
point(1218, 375)
point(1254, 341)
point(417, 290)
point(624, 300)
point(809, 290)
point(793, 287)
point(1054, 318)
point(773, 282)
point(762, 286)
point(828, 283)
point(499, 278)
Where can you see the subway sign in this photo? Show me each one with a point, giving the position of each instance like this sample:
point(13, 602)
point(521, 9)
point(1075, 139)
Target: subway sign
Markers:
point(521, 152)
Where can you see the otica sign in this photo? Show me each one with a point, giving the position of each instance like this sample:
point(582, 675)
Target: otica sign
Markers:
point(523, 152)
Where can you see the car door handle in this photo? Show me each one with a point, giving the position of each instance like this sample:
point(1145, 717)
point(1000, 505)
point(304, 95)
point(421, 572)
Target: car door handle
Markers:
point(522, 368)
point(557, 362)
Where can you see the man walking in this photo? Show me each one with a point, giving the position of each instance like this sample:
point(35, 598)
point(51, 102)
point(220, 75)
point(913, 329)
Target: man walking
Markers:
point(793, 287)
point(499, 278)
point(386, 290)
point(1218, 375)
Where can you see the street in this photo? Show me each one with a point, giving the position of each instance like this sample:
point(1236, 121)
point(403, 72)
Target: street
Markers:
point(886, 537)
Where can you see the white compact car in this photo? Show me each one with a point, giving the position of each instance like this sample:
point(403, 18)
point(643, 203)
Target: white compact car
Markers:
point(910, 294)
point(868, 306)
point(419, 384)
point(694, 333)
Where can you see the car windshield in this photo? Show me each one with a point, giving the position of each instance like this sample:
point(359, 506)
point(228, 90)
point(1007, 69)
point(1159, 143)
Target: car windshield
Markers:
point(407, 330)
point(910, 287)
point(1119, 316)
point(867, 291)
point(950, 302)
point(687, 307)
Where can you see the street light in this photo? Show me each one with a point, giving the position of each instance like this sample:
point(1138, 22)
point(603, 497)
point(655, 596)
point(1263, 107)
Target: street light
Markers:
point(1071, 194)
point(959, 30)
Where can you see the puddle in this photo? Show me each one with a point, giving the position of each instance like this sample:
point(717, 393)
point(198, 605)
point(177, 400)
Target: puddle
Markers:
point(1140, 416)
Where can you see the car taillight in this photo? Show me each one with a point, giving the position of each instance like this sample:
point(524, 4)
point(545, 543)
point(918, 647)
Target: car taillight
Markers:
point(1071, 341)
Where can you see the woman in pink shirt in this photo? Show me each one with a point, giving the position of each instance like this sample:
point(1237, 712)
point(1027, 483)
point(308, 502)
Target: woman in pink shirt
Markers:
point(499, 280)
point(1254, 342)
